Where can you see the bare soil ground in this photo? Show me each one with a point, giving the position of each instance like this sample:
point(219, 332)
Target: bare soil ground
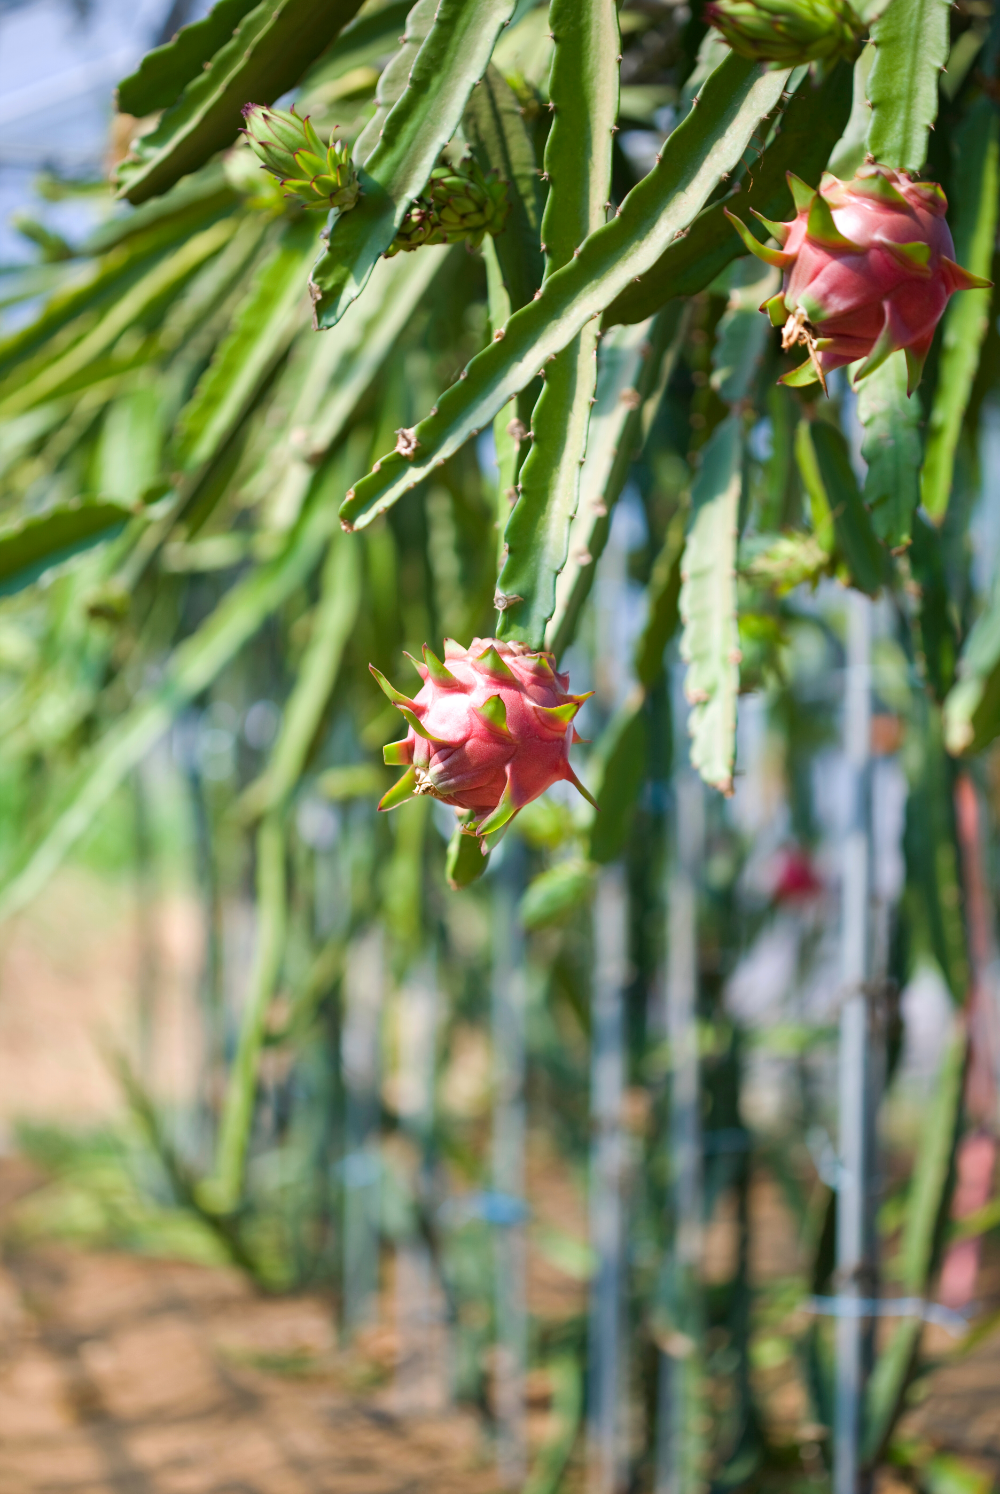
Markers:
point(121, 1374)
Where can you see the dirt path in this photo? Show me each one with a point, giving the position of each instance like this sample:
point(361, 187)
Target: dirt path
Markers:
point(125, 1375)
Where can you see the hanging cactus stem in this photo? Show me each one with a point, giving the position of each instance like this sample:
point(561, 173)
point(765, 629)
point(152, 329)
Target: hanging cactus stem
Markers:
point(490, 731)
point(868, 268)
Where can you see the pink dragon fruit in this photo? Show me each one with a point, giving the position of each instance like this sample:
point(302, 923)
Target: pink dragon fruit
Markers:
point(867, 267)
point(490, 730)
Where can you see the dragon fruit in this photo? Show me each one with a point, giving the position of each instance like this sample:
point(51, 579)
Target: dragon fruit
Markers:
point(490, 730)
point(868, 268)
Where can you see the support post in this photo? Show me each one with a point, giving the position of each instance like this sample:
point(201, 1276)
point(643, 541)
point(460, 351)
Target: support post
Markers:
point(605, 1335)
point(679, 1443)
point(363, 990)
point(854, 1088)
point(507, 1002)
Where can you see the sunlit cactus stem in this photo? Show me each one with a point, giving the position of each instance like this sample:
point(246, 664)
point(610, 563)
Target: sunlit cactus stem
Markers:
point(319, 176)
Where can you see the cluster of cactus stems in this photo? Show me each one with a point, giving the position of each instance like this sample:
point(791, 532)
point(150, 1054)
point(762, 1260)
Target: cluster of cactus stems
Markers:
point(868, 267)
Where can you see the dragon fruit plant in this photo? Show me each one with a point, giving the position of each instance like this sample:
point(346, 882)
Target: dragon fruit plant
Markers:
point(489, 731)
point(868, 269)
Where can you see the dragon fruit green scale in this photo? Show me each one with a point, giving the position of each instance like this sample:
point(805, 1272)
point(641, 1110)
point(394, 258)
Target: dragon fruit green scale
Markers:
point(868, 268)
point(489, 731)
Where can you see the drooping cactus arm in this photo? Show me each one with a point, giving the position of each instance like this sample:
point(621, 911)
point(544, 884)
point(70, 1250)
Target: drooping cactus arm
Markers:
point(705, 147)
point(584, 91)
point(811, 125)
point(450, 62)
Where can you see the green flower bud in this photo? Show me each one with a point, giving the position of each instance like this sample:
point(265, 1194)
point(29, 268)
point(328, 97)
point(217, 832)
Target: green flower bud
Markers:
point(788, 32)
point(458, 204)
point(319, 176)
point(415, 230)
point(466, 203)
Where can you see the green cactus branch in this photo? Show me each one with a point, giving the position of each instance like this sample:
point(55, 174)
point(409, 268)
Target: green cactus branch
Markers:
point(79, 364)
point(271, 49)
point(710, 642)
point(334, 619)
point(164, 73)
point(805, 134)
point(634, 365)
point(707, 145)
point(272, 313)
point(192, 667)
point(395, 75)
point(498, 136)
point(912, 47)
point(892, 450)
point(838, 510)
point(966, 319)
point(584, 92)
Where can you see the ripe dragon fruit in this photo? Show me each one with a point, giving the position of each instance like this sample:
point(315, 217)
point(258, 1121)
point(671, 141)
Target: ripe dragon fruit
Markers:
point(490, 730)
point(867, 267)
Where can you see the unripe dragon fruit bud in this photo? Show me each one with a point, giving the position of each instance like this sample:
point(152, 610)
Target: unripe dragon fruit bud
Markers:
point(788, 32)
point(467, 204)
point(458, 203)
point(416, 229)
point(319, 176)
point(489, 731)
point(868, 268)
